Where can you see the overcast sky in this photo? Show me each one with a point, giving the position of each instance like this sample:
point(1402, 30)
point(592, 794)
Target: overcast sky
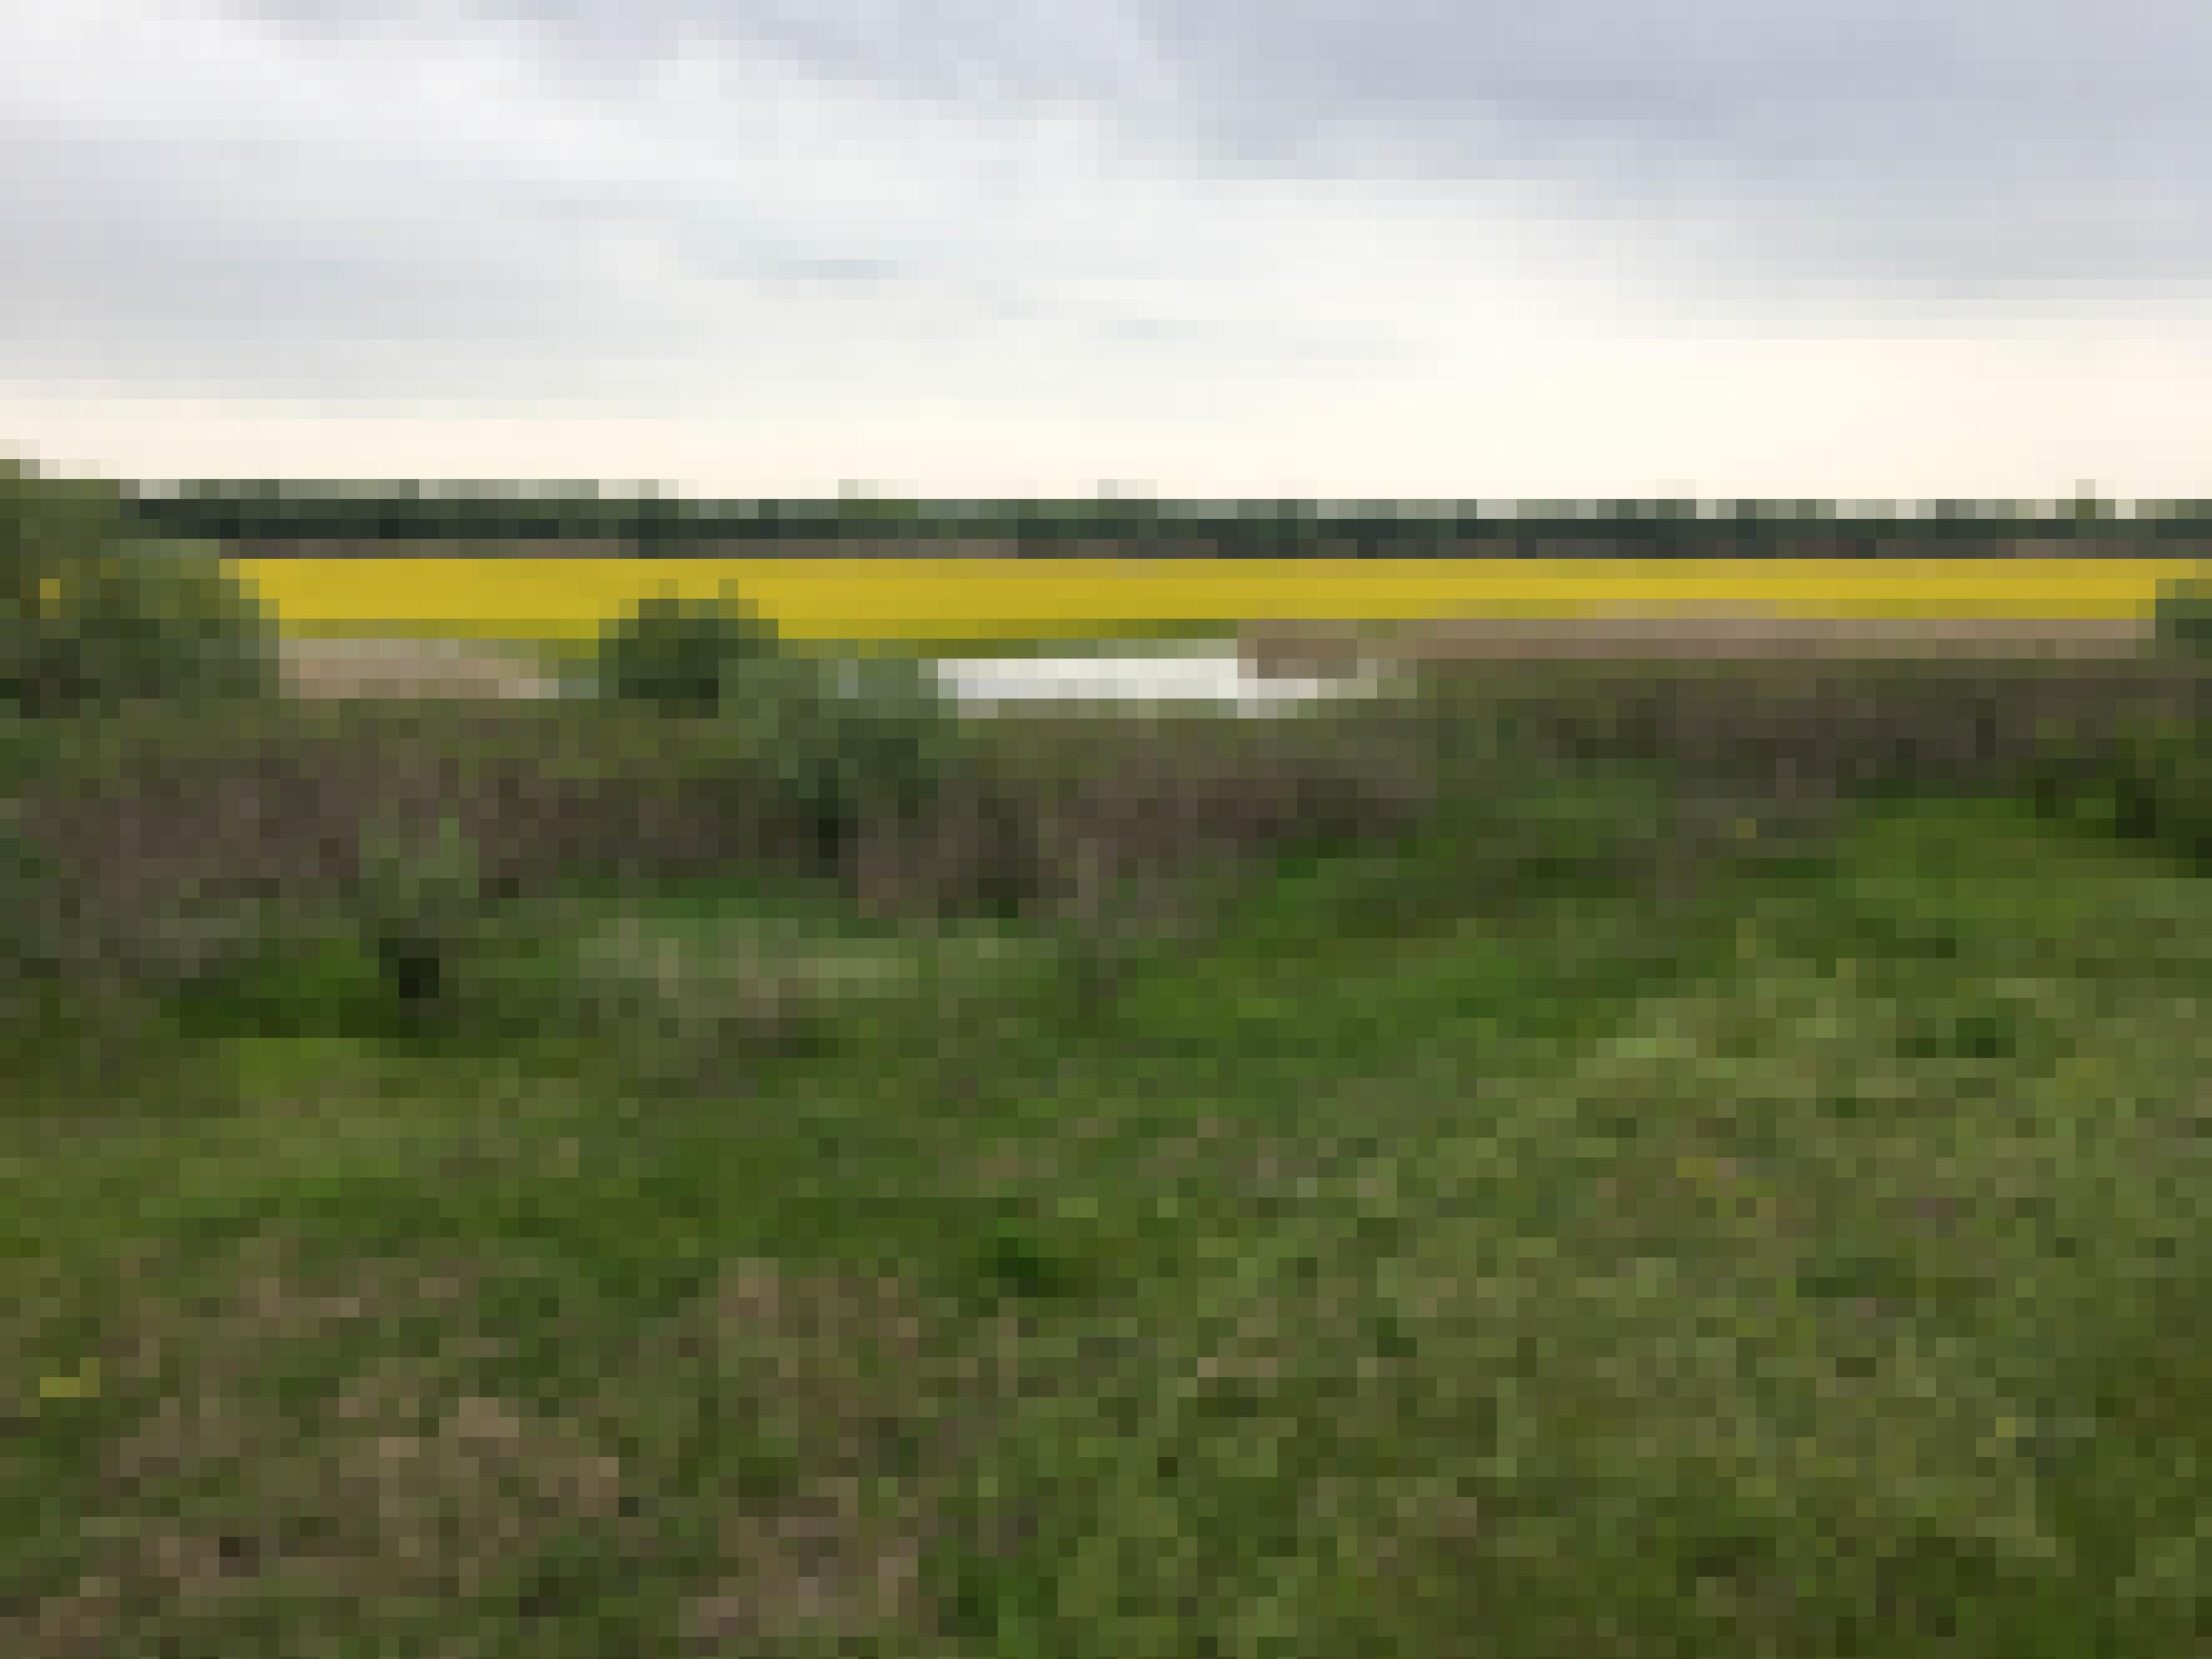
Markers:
point(1211, 248)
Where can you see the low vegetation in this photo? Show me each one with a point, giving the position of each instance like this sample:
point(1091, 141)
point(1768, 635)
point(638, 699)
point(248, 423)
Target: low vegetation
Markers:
point(2184, 616)
point(1623, 1166)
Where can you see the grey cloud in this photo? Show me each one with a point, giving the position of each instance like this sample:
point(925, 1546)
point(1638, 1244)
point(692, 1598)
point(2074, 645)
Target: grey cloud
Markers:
point(1976, 141)
point(1742, 83)
point(1969, 145)
point(221, 257)
point(1817, 159)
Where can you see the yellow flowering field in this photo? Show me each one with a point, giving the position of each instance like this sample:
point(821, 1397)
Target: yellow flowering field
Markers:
point(926, 598)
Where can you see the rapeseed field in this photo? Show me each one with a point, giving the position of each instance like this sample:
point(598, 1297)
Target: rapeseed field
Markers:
point(925, 599)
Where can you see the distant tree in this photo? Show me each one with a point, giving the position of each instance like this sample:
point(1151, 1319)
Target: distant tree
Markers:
point(684, 655)
point(90, 613)
point(136, 625)
point(2183, 616)
point(47, 526)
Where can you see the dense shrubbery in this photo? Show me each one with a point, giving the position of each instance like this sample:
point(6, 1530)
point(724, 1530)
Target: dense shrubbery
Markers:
point(91, 622)
point(712, 747)
point(89, 619)
point(2184, 616)
point(421, 901)
point(853, 742)
point(886, 740)
point(865, 773)
point(2152, 785)
point(687, 655)
point(133, 627)
point(28, 936)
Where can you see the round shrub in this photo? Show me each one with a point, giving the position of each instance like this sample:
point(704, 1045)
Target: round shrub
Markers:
point(2183, 616)
point(874, 742)
point(684, 655)
point(897, 732)
point(421, 902)
point(128, 627)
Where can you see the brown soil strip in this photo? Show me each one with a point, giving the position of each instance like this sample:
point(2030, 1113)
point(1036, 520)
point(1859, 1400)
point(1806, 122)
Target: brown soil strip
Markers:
point(1304, 648)
point(341, 669)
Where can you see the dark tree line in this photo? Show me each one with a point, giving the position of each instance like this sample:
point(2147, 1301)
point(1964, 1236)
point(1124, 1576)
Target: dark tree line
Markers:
point(272, 519)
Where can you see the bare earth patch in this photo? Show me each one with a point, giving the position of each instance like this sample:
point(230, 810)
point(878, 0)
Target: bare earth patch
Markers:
point(341, 668)
point(1279, 649)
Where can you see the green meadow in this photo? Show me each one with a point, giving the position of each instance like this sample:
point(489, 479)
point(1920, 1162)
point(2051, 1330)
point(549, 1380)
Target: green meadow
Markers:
point(1581, 1161)
point(1611, 1210)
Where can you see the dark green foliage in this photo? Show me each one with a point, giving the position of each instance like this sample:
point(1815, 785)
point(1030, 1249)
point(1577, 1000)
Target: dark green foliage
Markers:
point(850, 742)
point(685, 655)
point(285, 989)
point(2184, 616)
point(46, 524)
point(344, 519)
point(35, 895)
point(2171, 802)
point(856, 748)
point(1015, 1261)
point(27, 933)
point(2149, 782)
point(128, 627)
point(893, 736)
point(91, 619)
point(421, 902)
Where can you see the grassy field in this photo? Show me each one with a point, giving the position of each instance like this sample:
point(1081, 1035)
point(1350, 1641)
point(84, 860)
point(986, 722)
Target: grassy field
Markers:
point(1507, 1240)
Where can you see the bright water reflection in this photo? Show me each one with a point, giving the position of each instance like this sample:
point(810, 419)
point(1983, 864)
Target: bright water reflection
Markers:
point(1214, 675)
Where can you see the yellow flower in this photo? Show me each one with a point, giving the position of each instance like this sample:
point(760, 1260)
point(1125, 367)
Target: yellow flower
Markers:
point(82, 1385)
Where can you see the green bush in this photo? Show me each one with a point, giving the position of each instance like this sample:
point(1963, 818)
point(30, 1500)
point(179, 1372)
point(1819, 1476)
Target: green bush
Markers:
point(2183, 616)
point(2168, 795)
point(858, 745)
point(897, 735)
point(47, 524)
point(27, 889)
point(87, 617)
point(127, 626)
point(2151, 782)
point(684, 655)
point(421, 903)
point(34, 894)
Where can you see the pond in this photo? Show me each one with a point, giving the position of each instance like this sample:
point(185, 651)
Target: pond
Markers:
point(1210, 674)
